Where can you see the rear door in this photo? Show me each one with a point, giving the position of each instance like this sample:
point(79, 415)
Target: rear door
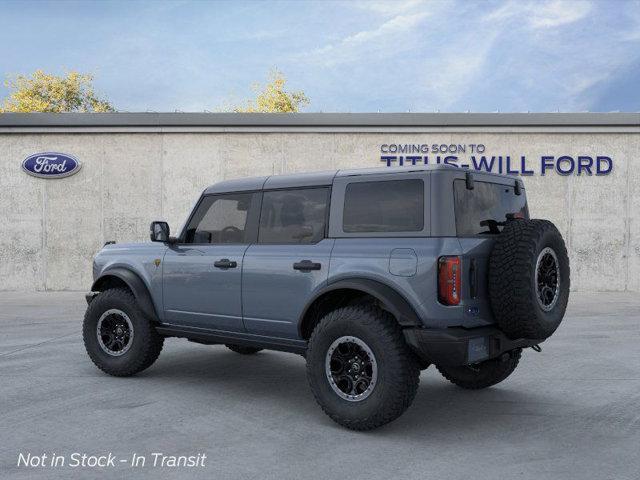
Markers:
point(289, 261)
point(202, 275)
point(480, 214)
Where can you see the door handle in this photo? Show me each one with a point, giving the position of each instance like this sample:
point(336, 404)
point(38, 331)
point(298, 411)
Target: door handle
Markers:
point(306, 265)
point(225, 263)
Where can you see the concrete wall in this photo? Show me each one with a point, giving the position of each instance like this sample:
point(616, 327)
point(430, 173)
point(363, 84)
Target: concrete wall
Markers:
point(50, 229)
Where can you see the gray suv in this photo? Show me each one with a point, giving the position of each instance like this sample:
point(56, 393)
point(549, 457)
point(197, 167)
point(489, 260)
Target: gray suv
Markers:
point(371, 275)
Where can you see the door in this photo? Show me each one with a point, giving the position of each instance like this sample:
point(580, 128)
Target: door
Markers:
point(480, 215)
point(202, 273)
point(289, 261)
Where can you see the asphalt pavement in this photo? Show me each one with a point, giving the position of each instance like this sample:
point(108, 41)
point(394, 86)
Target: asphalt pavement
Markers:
point(569, 412)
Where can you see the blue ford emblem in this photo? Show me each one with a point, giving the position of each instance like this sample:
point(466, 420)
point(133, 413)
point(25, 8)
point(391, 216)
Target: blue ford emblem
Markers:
point(51, 165)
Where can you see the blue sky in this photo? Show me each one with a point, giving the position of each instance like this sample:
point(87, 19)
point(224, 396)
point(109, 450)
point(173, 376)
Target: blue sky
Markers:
point(351, 56)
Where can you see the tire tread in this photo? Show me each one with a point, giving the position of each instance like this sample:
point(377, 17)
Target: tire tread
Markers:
point(152, 341)
point(510, 272)
point(405, 379)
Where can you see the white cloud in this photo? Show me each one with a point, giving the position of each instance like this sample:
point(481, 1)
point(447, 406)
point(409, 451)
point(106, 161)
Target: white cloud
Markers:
point(463, 55)
point(457, 67)
point(539, 15)
point(556, 13)
point(554, 66)
point(390, 37)
point(395, 25)
point(389, 7)
point(632, 13)
point(505, 12)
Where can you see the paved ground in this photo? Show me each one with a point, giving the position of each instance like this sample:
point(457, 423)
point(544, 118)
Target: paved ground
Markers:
point(571, 412)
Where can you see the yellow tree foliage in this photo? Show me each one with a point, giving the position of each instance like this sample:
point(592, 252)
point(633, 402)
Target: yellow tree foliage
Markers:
point(273, 98)
point(42, 92)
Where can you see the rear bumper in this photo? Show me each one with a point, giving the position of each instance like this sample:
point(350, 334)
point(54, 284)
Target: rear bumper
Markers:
point(461, 346)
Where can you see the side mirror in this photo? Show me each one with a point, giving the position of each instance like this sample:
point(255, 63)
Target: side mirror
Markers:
point(159, 232)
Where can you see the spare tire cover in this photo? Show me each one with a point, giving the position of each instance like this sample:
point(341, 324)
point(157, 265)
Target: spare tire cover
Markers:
point(529, 279)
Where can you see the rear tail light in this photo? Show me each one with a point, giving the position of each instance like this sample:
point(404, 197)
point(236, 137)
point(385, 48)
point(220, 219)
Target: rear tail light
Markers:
point(449, 275)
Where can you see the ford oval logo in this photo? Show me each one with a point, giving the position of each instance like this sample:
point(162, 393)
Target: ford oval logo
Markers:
point(51, 165)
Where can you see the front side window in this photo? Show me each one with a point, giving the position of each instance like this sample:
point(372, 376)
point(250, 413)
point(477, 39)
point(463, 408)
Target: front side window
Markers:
point(220, 219)
point(483, 210)
point(293, 216)
point(387, 206)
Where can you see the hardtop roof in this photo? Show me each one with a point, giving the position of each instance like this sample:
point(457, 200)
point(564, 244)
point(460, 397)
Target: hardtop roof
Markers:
point(322, 178)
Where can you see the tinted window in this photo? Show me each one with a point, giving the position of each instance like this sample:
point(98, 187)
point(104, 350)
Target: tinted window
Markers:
point(220, 219)
point(483, 209)
point(293, 216)
point(391, 206)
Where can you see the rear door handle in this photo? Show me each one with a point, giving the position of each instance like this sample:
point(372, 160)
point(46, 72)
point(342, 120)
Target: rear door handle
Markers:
point(225, 263)
point(306, 265)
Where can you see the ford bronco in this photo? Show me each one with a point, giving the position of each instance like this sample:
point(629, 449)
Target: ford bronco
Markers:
point(371, 275)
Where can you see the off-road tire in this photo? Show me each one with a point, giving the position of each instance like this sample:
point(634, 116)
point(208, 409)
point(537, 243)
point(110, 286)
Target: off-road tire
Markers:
point(513, 291)
point(484, 374)
point(398, 368)
point(242, 350)
point(146, 344)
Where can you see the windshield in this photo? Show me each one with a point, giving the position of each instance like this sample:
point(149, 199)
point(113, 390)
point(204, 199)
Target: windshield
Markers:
point(484, 210)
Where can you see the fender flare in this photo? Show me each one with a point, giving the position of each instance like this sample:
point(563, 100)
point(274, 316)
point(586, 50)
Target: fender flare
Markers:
point(392, 301)
point(135, 284)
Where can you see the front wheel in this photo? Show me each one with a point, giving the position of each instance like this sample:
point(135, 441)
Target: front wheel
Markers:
point(361, 372)
point(118, 337)
point(483, 374)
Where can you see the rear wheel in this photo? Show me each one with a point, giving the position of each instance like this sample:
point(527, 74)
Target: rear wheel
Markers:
point(484, 374)
point(243, 350)
point(360, 370)
point(118, 337)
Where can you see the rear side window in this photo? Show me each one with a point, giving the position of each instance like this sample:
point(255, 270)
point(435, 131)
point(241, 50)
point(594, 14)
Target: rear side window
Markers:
point(388, 206)
point(293, 216)
point(483, 210)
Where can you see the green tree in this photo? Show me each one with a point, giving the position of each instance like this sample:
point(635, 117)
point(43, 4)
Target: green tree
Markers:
point(273, 98)
point(43, 92)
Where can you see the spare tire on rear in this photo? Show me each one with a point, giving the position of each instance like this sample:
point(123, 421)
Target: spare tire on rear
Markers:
point(529, 279)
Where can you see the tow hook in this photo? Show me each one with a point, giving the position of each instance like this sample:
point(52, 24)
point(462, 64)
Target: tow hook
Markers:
point(536, 348)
